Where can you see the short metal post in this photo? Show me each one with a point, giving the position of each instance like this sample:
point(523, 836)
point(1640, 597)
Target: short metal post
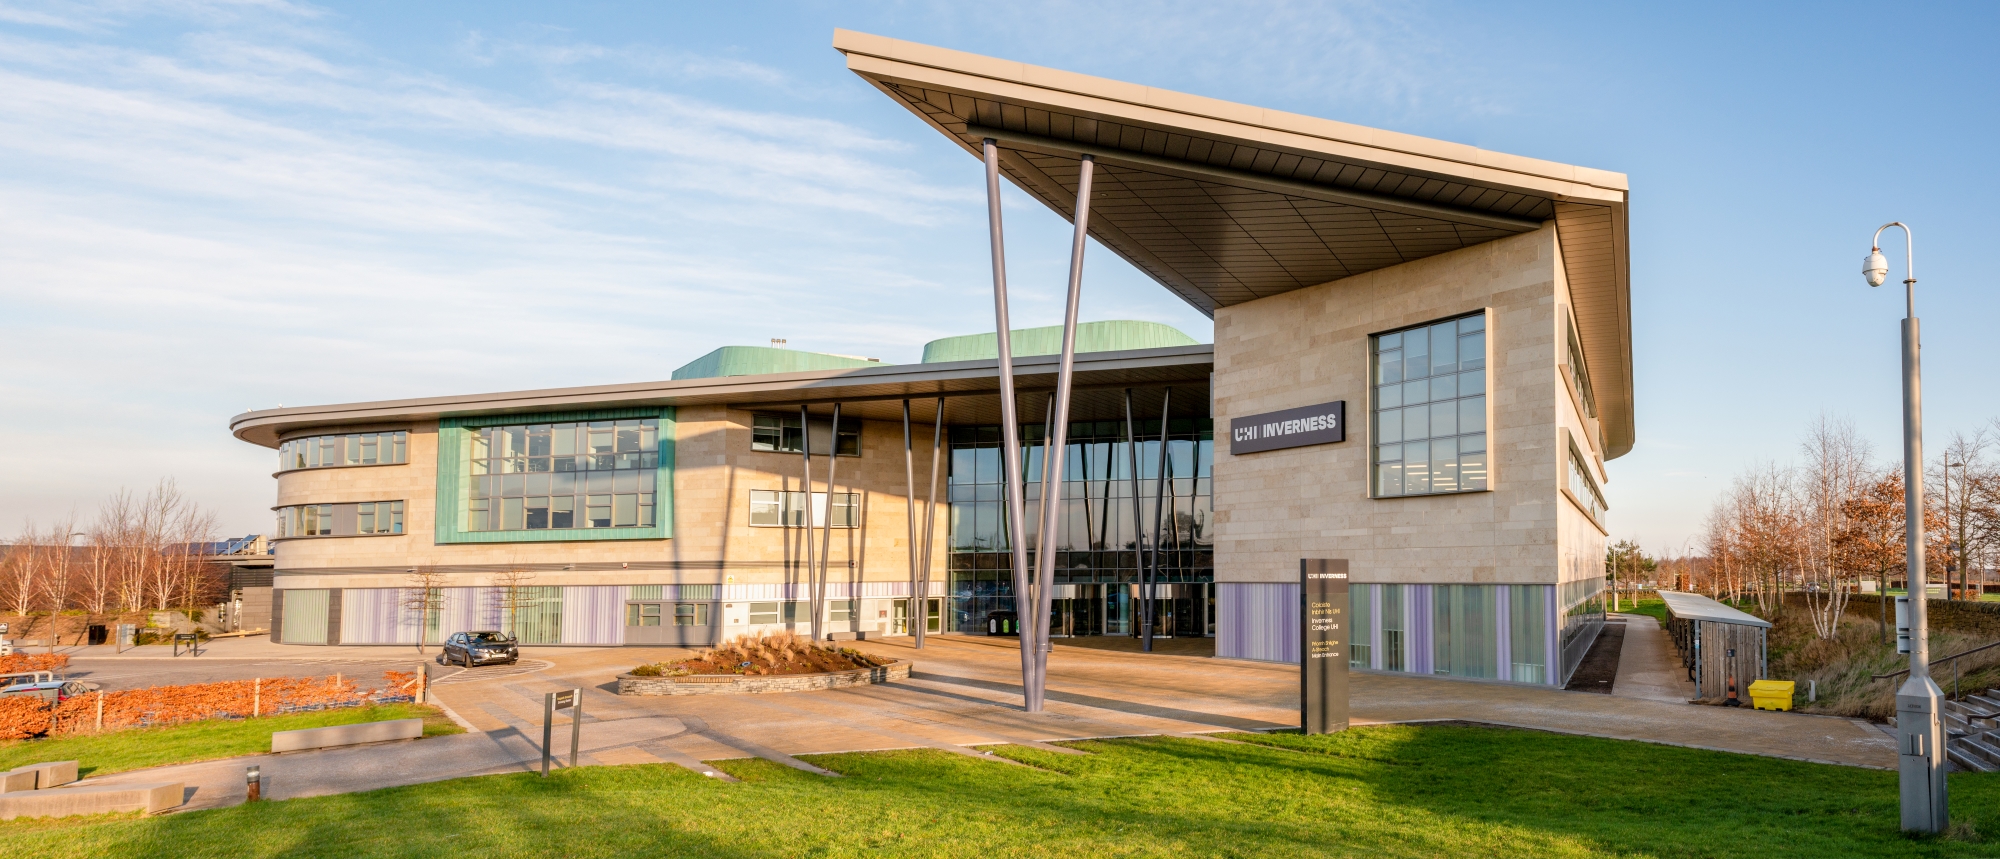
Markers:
point(548, 729)
point(575, 727)
point(253, 784)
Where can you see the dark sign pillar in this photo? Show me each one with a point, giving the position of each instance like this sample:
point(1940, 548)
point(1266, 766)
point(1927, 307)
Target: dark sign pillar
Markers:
point(1323, 645)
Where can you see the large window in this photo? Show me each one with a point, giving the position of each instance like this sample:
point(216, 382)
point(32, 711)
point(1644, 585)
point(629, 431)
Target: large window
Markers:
point(324, 451)
point(1579, 374)
point(781, 433)
point(1430, 408)
point(1584, 488)
point(772, 508)
point(534, 477)
point(367, 518)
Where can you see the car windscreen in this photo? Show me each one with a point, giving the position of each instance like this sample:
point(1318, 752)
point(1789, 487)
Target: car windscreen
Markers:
point(491, 637)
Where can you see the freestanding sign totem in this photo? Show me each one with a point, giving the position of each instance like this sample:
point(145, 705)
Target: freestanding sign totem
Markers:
point(1323, 645)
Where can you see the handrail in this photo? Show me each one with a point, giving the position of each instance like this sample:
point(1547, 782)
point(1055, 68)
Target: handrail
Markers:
point(1939, 661)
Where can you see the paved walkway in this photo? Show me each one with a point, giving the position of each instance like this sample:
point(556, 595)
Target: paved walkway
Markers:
point(965, 693)
point(1649, 668)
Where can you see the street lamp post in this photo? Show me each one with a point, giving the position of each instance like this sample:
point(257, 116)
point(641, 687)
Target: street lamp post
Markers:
point(1919, 703)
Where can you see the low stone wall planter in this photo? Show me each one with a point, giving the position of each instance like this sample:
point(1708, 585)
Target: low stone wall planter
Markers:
point(739, 684)
point(347, 735)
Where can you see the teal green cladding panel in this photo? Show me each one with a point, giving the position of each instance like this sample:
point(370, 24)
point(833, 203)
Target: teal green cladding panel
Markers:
point(454, 462)
point(1090, 337)
point(759, 360)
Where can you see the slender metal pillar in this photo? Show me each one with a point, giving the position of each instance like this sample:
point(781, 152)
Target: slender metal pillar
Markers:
point(1010, 437)
point(1065, 374)
point(1159, 509)
point(1138, 528)
point(806, 455)
point(915, 609)
point(826, 528)
point(930, 526)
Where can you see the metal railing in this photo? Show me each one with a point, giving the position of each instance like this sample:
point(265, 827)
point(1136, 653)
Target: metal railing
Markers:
point(1953, 659)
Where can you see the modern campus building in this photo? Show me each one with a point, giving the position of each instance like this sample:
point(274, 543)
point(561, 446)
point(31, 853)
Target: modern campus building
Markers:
point(1467, 311)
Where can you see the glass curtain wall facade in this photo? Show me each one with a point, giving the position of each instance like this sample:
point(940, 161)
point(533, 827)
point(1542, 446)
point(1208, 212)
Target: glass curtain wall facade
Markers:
point(1096, 540)
point(596, 474)
point(1430, 408)
point(1491, 632)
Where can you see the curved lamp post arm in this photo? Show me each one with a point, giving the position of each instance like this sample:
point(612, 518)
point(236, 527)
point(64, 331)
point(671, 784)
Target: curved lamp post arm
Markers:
point(1909, 263)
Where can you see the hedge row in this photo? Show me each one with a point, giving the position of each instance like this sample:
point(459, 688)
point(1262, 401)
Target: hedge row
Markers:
point(19, 662)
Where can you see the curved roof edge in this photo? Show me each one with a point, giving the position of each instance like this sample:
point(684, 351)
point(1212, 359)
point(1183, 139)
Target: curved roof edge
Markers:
point(760, 360)
point(1107, 336)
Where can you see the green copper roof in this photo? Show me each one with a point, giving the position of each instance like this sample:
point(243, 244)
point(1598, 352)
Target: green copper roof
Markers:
point(758, 360)
point(1108, 336)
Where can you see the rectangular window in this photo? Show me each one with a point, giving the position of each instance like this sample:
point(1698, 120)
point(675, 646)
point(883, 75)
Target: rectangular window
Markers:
point(840, 611)
point(1360, 625)
point(1584, 488)
point(1463, 630)
point(1429, 408)
point(780, 433)
point(642, 614)
point(770, 508)
point(1579, 373)
point(341, 520)
point(326, 451)
point(582, 474)
point(1392, 628)
point(691, 614)
point(1528, 627)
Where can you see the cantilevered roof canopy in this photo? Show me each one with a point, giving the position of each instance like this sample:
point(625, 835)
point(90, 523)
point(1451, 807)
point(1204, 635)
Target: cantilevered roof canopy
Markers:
point(1225, 203)
point(871, 393)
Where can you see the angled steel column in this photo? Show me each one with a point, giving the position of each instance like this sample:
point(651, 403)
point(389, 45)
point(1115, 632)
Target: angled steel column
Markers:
point(910, 518)
point(1010, 436)
point(930, 526)
point(1043, 541)
point(1065, 374)
point(826, 528)
point(806, 454)
point(1159, 509)
point(1138, 529)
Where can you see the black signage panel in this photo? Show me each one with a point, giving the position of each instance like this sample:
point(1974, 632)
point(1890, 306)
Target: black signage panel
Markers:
point(1321, 424)
point(1323, 650)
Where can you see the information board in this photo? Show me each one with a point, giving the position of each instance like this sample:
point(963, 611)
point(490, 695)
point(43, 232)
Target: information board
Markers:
point(1323, 625)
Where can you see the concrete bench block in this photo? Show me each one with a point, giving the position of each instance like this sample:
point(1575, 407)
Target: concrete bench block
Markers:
point(51, 774)
point(347, 735)
point(93, 799)
point(18, 780)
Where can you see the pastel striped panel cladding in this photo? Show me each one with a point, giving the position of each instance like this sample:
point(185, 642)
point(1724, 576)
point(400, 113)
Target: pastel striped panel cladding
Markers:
point(1257, 621)
point(593, 614)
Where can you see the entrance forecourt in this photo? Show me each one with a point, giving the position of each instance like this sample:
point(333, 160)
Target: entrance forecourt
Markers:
point(1462, 316)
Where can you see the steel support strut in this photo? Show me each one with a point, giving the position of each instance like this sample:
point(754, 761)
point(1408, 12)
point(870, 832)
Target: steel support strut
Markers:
point(930, 524)
point(1065, 374)
point(1138, 527)
point(1159, 509)
point(806, 455)
point(1010, 437)
point(826, 528)
point(910, 518)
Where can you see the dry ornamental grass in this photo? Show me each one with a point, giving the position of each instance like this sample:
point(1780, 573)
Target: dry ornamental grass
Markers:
point(771, 653)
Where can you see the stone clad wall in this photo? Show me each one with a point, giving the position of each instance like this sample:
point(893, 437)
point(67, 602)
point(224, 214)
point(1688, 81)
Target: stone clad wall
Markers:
point(1311, 346)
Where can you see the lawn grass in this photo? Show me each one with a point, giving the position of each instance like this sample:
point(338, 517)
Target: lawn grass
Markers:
point(1656, 609)
point(1379, 791)
point(118, 751)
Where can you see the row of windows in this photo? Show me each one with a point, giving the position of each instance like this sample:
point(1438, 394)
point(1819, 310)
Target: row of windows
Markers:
point(365, 448)
point(771, 508)
point(781, 433)
point(1579, 375)
point(542, 513)
point(341, 520)
point(699, 613)
point(1585, 489)
point(566, 447)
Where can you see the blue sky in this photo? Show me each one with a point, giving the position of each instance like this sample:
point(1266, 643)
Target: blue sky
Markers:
point(212, 206)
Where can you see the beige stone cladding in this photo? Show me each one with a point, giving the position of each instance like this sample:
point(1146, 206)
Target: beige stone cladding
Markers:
point(714, 543)
point(1312, 346)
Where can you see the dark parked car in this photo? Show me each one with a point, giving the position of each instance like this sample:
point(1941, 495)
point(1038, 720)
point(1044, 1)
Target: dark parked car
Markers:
point(480, 648)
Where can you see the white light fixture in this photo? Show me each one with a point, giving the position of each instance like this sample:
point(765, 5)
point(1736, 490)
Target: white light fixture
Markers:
point(1875, 267)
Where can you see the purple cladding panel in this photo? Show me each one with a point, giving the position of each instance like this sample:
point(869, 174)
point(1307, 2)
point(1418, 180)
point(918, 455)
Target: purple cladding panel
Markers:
point(1257, 621)
point(1422, 659)
point(593, 614)
point(375, 616)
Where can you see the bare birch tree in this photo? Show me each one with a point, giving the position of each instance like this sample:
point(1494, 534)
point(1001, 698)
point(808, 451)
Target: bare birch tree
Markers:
point(423, 595)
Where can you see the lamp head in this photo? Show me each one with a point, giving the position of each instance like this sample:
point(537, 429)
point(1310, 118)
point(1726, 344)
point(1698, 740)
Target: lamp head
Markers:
point(1876, 268)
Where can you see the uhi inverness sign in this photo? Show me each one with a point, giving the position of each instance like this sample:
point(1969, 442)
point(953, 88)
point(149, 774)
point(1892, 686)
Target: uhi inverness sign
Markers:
point(1321, 424)
point(1323, 648)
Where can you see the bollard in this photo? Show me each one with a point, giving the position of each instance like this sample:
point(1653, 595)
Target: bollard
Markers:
point(100, 711)
point(257, 697)
point(1812, 692)
point(253, 784)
